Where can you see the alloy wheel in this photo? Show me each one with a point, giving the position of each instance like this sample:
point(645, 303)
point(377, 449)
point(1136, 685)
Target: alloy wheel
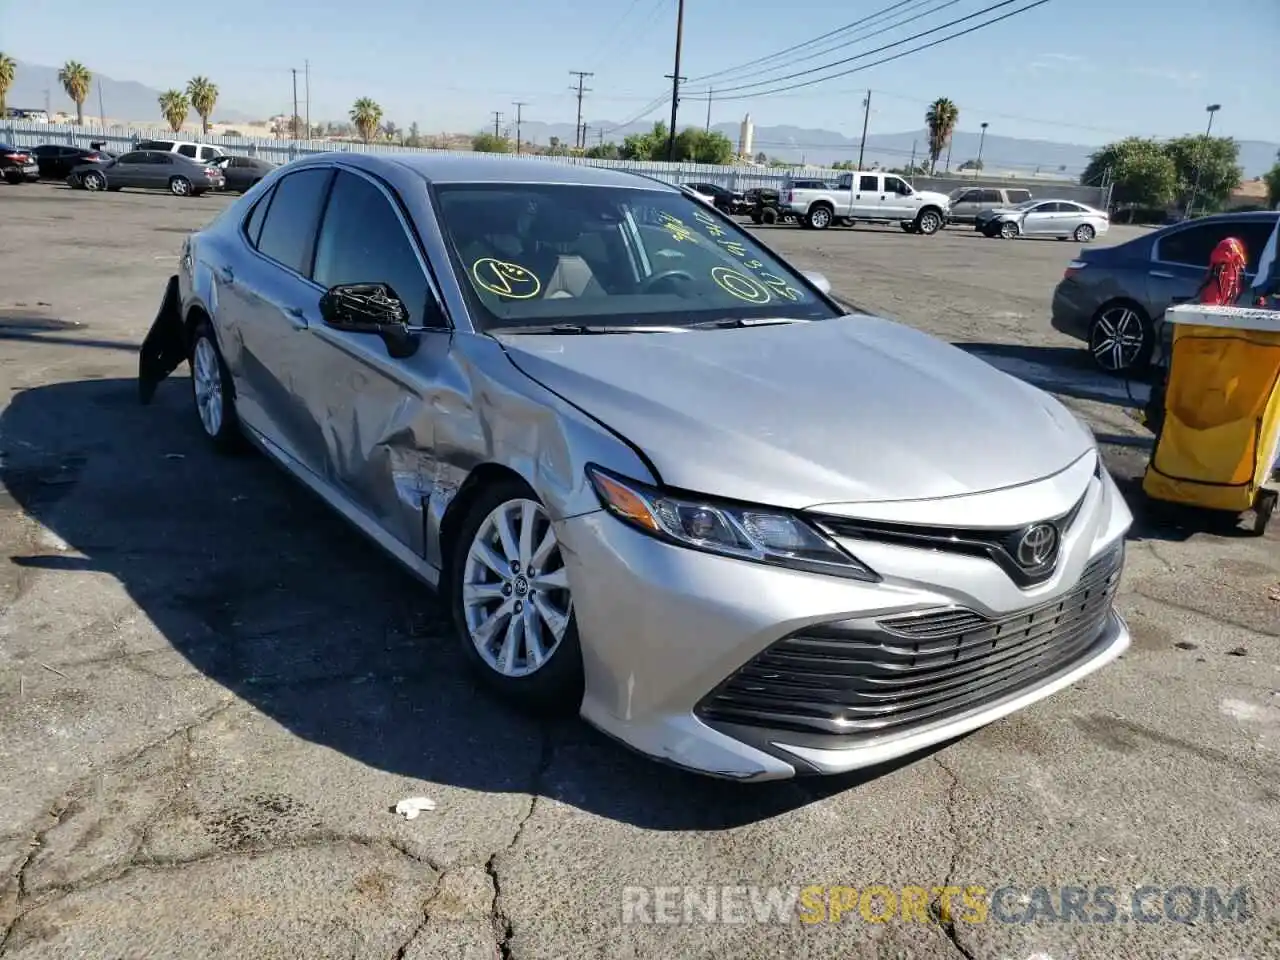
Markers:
point(94, 181)
point(180, 186)
point(1117, 339)
point(1084, 233)
point(1008, 230)
point(929, 223)
point(515, 589)
point(206, 380)
point(820, 219)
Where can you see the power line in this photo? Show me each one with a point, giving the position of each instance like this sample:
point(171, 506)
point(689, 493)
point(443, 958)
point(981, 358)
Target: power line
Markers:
point(655, 104)
point(861, 36)
point(806, 43)
point(610, 43)
point(896, 56)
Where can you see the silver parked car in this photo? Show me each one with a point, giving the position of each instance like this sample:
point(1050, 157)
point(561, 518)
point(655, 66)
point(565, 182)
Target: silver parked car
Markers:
point(657, 474)
point(149, 170)
point(1064, 219)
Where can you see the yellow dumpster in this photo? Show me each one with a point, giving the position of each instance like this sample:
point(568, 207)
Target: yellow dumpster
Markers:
point(1220, 433)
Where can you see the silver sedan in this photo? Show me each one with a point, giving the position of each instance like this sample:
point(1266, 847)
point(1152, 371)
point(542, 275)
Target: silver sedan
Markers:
point(659, 477)
point(1064, 219)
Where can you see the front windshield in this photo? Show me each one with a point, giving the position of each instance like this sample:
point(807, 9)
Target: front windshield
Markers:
point(537, 254)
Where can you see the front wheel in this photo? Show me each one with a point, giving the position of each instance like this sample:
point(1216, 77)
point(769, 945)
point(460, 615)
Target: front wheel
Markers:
point(928, 222)
point(1084, 233)
point(769, 216)
point(1008, 230)
point(94, 181)
point(512, 605)
point(180, 187)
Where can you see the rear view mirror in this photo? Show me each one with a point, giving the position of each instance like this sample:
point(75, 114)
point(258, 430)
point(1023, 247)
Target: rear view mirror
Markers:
point(818, 280)
point(370, 308)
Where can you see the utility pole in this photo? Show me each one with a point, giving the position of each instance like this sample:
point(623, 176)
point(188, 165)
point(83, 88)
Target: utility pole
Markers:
point(675, 79)
point(710, 94)
point(949, 141)
point(600, 134)
point(1195, 185)
point(294, 119)
point(866, 118)
point(578, 128)
point(519, 105)
point(48, 107)
point(582, 136)
point(307, 66)
point(911, 169)
point(102, 113)
point(497, 119)
point(982, 138)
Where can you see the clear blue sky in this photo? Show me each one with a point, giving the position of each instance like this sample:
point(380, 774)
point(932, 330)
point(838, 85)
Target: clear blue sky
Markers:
point(1082, 71)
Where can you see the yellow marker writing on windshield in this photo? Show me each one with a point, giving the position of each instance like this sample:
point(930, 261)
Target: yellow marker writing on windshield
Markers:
point(505, 279)
point(740, 285)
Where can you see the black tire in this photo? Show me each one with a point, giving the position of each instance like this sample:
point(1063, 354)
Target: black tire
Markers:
point(757, 218)
point(181, 187)
point(226, 438)
point(928, 222)
point(14, 178)
point(93, 180)
point(1263, 508)
point(1127, 322)
point(768, 216)
point(820, 217)
point(1085, 233)
point(1008, 230)
point(556, 687)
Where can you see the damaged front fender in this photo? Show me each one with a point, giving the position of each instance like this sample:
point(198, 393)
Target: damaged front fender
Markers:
point(165, 346)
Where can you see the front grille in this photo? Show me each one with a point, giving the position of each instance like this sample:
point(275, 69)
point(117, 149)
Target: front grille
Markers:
point(860, 679)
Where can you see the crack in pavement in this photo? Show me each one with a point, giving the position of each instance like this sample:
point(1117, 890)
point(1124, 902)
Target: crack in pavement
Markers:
point(502, 926)
point(1211, 617)
point(943, 913)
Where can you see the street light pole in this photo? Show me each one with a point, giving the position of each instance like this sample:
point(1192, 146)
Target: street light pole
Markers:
point(982, 138)
point(1211, 109)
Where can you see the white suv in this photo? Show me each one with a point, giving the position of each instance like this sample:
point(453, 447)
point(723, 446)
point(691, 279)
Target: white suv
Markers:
point(204, 152)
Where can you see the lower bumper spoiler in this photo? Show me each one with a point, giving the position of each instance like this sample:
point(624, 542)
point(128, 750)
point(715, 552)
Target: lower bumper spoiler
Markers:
point(165, 347)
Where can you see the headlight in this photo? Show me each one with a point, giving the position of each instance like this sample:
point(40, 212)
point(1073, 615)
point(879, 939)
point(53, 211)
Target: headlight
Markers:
point(744, 532)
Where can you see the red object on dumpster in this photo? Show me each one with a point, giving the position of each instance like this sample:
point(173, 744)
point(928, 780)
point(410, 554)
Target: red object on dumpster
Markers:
point(1223, 284)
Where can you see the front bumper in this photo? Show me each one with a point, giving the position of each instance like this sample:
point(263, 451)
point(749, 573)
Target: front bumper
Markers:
point(726, 667)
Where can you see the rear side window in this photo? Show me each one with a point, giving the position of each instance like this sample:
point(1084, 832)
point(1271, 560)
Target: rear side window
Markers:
point(253, 223)
point(1017, 196)
point(155, 145)
point(363, 241)
point(869, 184)
point(1193, 245)
point(288, 232)
point(989, 196)
point(188, 150)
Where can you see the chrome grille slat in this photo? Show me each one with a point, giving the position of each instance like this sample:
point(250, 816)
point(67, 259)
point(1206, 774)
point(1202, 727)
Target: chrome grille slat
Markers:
point(865, 679)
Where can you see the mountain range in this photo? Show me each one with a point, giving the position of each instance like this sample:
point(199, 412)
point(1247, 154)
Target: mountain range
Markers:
point(37, 87)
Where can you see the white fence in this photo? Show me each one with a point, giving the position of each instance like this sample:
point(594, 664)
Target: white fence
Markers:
point(120, 139)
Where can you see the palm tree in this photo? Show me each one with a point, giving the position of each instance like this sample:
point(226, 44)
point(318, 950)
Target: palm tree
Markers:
point(76, 80)
point(7, 70)
point(203, 94)
point(941, 119)
point(175, 106)
point(366, 115)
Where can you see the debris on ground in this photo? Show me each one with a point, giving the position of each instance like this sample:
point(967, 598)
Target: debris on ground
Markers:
point(411, 807)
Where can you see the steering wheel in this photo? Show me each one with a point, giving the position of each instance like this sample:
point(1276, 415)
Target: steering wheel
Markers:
point(664, 275)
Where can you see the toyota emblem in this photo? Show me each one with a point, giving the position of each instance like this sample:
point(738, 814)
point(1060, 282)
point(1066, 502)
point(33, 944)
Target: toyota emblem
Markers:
point(1037, 546)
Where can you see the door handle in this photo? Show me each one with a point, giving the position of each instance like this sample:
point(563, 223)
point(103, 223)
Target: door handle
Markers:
point(1163, 275)
point(228, 274)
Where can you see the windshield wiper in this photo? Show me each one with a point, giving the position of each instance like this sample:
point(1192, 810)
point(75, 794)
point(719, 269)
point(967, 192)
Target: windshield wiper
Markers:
point(573, 328)
point(725, 323)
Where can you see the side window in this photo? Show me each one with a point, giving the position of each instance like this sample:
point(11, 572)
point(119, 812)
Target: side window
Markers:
point(253, 223)
point(188, 150)
point(869, 184)
point(362, 241)
point(970, 196)
point(136, 157)
point(894, 185)
point(161, 159)
point(990, 196)
point(1254, 234)
point(1193, 245)
point(1019, 196)
point(288, 233)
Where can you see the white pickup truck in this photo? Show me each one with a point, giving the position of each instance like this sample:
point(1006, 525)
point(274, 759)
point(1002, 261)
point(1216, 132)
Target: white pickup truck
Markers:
point(871, 196)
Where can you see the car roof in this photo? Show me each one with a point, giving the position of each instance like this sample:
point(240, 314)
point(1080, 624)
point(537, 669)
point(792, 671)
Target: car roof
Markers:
point(487, 168)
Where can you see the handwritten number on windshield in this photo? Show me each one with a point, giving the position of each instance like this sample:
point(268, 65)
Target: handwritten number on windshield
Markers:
point(779, 286)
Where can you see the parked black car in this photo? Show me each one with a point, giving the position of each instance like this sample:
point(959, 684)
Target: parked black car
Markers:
point(727, 201)
point(56, 161)
point(243, 172)
point(763, 206)
point(17, 165)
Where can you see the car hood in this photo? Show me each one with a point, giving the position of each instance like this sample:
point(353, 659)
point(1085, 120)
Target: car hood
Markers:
point(854, 409)
point(929, 196)
point(999, 212)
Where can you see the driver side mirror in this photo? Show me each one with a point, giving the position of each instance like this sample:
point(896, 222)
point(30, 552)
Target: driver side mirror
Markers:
point(818, 280)
point(370, 308)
